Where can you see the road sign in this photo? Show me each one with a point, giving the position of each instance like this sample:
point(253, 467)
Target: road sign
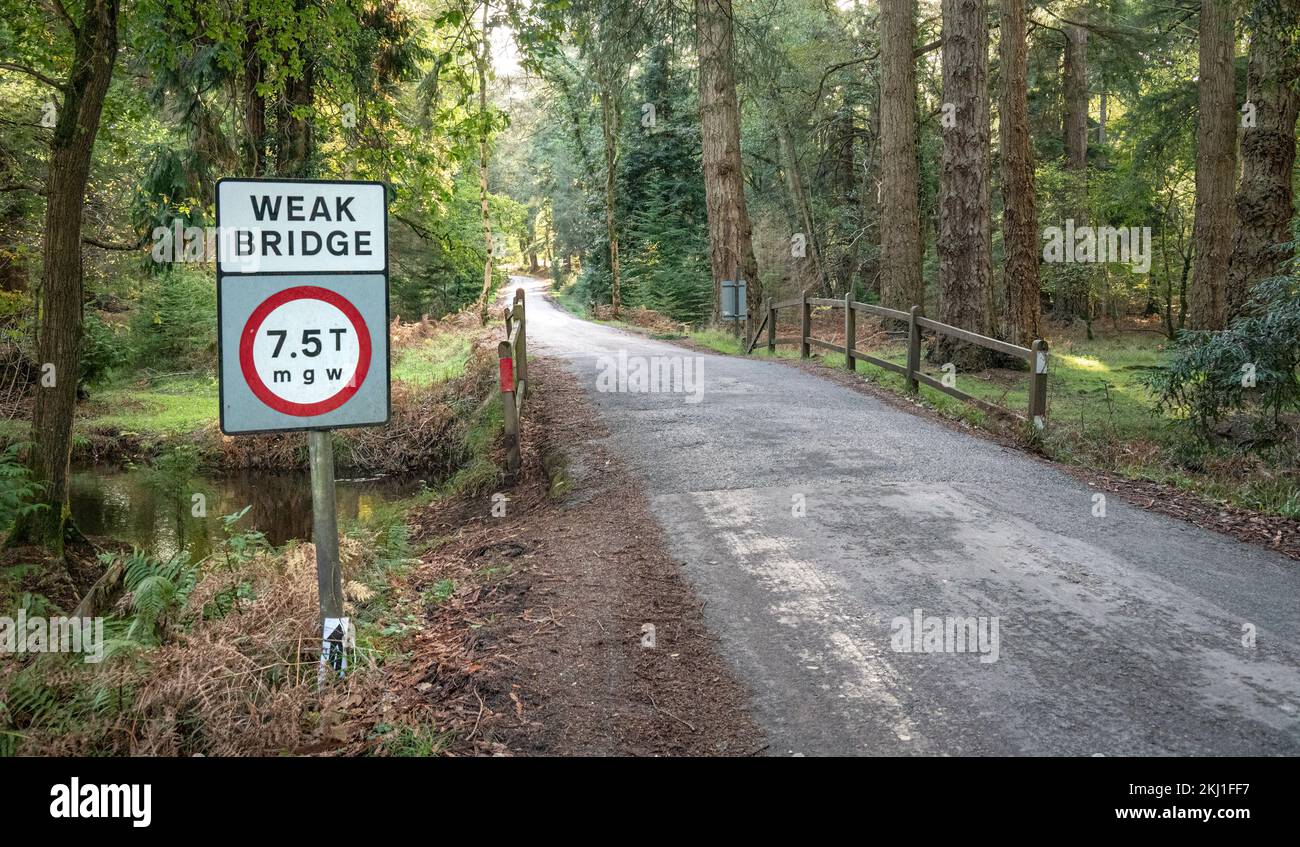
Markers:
point(328, 374)
point(303, 352)
point(302, 226)
point(302, 309)
point(304, 339)
point(734, 306)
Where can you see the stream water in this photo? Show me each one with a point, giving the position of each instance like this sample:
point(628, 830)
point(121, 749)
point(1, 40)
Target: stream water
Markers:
point(136, 506)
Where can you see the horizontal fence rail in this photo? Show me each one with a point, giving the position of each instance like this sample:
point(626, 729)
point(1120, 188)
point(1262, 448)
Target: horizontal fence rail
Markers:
point(512, 366)
point(1035, 356)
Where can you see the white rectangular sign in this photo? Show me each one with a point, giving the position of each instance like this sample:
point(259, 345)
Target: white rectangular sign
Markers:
point(290, 226)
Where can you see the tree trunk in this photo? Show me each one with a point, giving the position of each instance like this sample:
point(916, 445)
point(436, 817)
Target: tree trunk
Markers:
point(799, 198)
point(1046, 56)
point(842, 187)
point(59, 343)
point(965, 262)
point(901, 286)
point(1265, 201)
point(295, 140)
point(1216, 143)
point(1020, 285)
point(481, 60)
point(1073, 289)
point(254, 105)
point(842, 146)
point(1075, 85)
point(869, 196)
point(609, 121)
point(731, 249)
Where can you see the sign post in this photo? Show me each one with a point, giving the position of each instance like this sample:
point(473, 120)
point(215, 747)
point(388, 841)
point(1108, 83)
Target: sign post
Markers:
point(329, 573)
point(734, 306)
point(302, 304)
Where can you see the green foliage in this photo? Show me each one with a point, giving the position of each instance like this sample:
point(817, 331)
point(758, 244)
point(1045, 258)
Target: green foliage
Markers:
point(174, 325)
point(437, 359)
point(660, 215)
point(662, 203)
point(158, 590)
point(168, 406)
point(58, 692)
point(17, 489)
point(13, 304)
point(411, 742)
point(443, 270)
point(722, 341)
point(1249, 367)
point(240, 545)
point(105, 349)
point(390, 99)
point(238, 549)
point(442, 590)
point(479, 472)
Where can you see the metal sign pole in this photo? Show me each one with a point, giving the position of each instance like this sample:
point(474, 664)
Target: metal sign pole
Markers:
point(735, 309)
point(335, 628)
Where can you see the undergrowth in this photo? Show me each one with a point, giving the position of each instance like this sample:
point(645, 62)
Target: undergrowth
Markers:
point(219, 657)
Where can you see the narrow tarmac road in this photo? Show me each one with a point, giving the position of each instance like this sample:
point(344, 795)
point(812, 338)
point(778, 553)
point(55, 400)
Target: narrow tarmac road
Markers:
point(814, 521)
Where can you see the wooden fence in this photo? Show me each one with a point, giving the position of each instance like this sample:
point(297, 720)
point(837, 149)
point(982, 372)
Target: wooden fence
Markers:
point(512, 362)
point(1035, 356)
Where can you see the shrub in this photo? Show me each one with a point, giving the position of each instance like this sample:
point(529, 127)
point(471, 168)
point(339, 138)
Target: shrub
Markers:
point(1249, 367)
point(105, 349)
point(17, 489)
point(176, 322)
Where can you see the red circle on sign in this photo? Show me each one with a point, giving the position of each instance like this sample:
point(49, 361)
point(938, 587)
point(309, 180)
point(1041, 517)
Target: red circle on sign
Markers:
point(254, 380)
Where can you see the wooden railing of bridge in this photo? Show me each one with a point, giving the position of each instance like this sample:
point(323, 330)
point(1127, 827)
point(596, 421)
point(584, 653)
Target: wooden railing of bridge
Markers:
point(1035, 356)
point(512, 362)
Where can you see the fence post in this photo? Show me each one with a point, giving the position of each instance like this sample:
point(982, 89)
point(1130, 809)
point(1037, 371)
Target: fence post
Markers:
point(1038, 384)
point(521, 347)
point(850, 331)
point(510, 412)
point(805, 326)
point(913, 350)
point(771, 328)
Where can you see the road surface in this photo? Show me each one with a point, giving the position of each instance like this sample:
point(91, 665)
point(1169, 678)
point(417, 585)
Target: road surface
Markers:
point(815, 522)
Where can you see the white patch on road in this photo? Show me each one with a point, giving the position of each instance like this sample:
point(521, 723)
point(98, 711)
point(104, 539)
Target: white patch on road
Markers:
point(806, 599)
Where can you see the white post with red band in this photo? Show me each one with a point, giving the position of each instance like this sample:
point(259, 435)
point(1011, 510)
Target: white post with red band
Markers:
point(509, 407)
